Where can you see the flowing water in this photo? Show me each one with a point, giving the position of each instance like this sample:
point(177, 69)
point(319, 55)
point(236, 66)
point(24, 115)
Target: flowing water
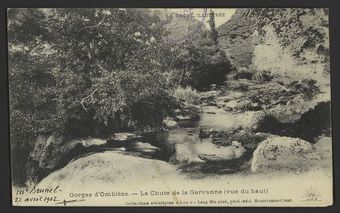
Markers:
point(180, 144)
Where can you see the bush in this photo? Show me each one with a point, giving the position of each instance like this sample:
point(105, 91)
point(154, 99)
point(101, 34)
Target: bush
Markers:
point(186, 95)
point(131, 100)
point(243, 74)
point(307, 87)
point(263, 76)
point(201, 63)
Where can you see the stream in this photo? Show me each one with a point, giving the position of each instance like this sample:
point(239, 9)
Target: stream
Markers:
point(178, 145)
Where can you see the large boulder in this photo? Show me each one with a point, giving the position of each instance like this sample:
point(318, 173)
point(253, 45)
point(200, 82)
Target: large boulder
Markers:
point(46, 151)
point(39, 148)
point(310, 123)
point(108, 169)
point(51, 152)
point(43, 158)
point(283, 153)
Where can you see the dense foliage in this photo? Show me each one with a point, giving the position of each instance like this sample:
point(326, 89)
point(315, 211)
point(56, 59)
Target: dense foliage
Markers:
point(79, 72)
point(85, 72)
point(74, 54)
point(202, 62)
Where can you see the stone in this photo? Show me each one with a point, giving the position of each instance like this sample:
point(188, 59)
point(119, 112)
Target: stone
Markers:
point(49, 153)
point(209, 94)
point(265, 135)
point(235, 150)
point(109, 169)
point(187, 113)
point(39, 146)
point(183, 118)
point(231, 104)
point(93, 142)
point(145, 147)
point(124, 136)
point(283, 153)
point(169, 122)
point(252, 119)
point(121, 149)
point(244, 105)
point(203, 133)
point(228, 108)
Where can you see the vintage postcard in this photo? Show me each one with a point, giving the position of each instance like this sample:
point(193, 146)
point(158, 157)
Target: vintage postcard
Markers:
point(170, 107)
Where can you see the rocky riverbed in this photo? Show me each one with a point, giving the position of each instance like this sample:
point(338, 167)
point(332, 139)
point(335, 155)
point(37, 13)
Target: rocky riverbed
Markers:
point(235, 129)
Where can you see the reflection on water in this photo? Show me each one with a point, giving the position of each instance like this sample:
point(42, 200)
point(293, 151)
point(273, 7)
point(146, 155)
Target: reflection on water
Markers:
point(178, 145)
point(183, 144)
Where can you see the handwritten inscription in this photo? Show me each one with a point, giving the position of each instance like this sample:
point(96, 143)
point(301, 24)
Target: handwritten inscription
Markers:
point(42, 195)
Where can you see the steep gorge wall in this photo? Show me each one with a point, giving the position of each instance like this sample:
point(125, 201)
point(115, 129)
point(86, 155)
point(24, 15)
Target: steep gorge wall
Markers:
point(235, 37)
point(289, 42)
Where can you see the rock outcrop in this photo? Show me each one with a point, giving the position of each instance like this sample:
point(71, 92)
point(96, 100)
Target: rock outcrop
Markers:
point(283, 153)
point(51, 152)
point(44, 151)
point(287, 41)
point(308, 124)
point(235, 37)
point(108, 168)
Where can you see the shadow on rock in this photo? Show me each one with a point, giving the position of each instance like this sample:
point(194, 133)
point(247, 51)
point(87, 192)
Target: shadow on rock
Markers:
point(311, 124)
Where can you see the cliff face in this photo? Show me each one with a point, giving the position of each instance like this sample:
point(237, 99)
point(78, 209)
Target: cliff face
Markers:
point(180, 26)
point(235, 37)
point(289, 42)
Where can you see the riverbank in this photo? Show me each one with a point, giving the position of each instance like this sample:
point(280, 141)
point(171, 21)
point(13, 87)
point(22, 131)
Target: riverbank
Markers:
point(140, 178)
point(170, 161)
point(204, 144)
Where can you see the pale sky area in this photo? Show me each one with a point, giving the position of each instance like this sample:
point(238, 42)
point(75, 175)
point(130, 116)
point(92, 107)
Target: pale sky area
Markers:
point(221, 14)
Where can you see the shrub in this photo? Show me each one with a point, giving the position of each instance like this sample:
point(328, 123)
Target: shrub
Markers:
point(263, 76)
point(243, 74)
point(307, 87)
point(130, 100)
point(186, 95)
point(201, 62)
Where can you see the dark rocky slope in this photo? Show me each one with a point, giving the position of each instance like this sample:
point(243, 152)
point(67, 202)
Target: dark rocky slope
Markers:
point(292, 42)
point(235, 36)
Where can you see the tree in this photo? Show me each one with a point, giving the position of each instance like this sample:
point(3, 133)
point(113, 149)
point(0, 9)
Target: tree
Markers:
point(201, 62)
point(213, 34)
point(74, 71)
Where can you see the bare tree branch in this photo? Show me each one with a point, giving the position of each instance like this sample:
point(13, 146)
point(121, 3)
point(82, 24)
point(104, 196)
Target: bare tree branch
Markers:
point(93, 26)
point(87, 97)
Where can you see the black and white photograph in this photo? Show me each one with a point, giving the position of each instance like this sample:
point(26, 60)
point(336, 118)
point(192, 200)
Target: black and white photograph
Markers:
point(170, 107)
